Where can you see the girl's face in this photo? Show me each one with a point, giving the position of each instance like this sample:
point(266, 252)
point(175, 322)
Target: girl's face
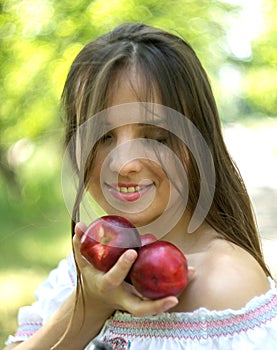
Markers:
point(127, 177)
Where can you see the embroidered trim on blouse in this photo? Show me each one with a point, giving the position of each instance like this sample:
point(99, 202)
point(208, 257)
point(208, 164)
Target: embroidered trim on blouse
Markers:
point(26, 330)
point(198, 327)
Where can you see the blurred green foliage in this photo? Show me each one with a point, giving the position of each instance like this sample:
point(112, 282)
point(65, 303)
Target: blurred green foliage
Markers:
point(260, 79)
point(39, 40)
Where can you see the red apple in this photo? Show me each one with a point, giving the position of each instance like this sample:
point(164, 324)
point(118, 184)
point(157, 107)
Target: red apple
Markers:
point(147, 238)
point(160, 270)
point(106, 239)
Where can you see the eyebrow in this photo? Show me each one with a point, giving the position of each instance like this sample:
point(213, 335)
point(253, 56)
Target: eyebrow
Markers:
point(157, 123)
point(153, 124)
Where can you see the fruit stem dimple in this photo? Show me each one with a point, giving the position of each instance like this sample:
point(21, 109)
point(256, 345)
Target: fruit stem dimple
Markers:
point(105, 240)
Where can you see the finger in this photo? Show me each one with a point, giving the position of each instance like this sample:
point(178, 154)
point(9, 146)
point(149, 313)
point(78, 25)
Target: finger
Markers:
point(80, 229)
point(191, 274)
point(116, 275)
point(76, 242)
point(80, 260)
point(143, 308)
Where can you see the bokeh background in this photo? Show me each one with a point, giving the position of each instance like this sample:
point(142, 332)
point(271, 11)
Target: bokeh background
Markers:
point(236, 41)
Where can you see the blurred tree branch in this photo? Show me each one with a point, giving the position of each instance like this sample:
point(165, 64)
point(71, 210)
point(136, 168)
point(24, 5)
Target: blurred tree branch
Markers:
point(39, 40)
point(8, 173)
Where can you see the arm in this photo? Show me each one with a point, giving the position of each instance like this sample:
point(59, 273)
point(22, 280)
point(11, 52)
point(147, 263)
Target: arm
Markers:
point(55, 330)
point(11, 346)
point(72, 328)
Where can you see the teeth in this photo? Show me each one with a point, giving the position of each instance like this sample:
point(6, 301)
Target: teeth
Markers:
point(130, 189)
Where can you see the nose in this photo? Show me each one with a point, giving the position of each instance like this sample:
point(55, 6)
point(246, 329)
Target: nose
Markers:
point(125, 158)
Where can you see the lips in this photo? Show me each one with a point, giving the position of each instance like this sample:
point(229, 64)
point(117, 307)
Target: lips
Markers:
point(129, 192)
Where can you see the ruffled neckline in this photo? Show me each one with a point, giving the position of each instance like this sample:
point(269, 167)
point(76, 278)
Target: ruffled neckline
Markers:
point(252, 304)
point(200, 324)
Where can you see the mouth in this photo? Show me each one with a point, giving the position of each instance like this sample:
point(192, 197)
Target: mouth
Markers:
point(129, 192)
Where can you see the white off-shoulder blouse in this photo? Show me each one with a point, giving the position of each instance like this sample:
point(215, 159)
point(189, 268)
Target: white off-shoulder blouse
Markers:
point(253, 327)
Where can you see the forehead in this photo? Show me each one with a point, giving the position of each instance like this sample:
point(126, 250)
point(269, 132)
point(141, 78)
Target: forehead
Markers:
point(132, 84)
point(134, 98)
point(142, 113)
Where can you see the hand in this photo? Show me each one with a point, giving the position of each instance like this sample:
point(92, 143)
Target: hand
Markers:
point(111, 290)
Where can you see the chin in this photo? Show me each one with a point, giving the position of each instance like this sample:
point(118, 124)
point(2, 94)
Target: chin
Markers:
point(139, 218)
point(134, 218)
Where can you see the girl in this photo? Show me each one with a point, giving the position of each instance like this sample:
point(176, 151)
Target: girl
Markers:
point(144, 138)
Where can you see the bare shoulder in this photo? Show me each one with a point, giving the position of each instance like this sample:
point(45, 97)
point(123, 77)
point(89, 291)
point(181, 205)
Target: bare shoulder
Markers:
point(226, 277)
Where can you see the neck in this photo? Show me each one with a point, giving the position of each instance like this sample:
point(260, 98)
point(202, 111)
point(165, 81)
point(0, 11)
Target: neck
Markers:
point(193, 242)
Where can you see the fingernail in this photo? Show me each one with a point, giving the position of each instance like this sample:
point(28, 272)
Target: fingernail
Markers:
point(130, 256)
point(169, 304)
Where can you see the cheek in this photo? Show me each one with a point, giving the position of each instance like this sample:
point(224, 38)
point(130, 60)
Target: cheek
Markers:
point(172, 178)
point(98, 164)
point(94, 182)
point(161, 178)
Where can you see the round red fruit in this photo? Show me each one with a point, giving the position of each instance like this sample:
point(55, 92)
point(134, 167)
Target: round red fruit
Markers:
point(147, 238)
point(160, 270)
point(106, 239)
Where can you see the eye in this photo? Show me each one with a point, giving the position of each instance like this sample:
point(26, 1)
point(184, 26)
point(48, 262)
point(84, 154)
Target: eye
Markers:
point(159, 135)
point(106, 138)
point(163, 140)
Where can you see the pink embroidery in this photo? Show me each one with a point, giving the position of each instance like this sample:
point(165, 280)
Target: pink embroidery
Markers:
point(27, 329)
point(200, 327)
point(117, 343)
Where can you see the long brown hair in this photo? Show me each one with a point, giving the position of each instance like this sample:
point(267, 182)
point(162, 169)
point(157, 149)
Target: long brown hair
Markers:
point(170, 65)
